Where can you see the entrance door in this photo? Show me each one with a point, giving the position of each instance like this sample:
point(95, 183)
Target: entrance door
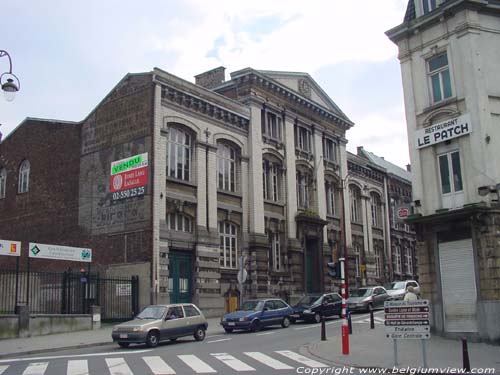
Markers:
point(181, 276)
point(458, 283)
point(312, 272)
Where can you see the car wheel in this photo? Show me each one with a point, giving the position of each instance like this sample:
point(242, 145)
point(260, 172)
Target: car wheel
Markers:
point(285, 323)
point(124, 344)
point(228, 330)
point(317, 318)
point(152, 339)
point(255, 327)
point(199, 334)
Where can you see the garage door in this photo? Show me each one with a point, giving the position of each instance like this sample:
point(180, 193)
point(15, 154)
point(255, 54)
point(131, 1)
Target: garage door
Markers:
point(458, 284)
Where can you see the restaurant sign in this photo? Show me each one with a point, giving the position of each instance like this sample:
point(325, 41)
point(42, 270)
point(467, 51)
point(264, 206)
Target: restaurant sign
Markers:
point(444, 131)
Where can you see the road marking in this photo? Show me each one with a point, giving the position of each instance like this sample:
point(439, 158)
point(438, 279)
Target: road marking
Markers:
point(232, 362)
point(196, 364)
point(75, 356)
point(79, 367)
point(36, 368)
point(214, 336)
point(301, 359)
point(3, 368)
point(158, 365)
point(266, 333)
point(268, 361)
point(118, 366)
point(219, 340)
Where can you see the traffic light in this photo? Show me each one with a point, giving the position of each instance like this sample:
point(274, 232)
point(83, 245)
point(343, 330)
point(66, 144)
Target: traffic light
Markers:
point(334, 270)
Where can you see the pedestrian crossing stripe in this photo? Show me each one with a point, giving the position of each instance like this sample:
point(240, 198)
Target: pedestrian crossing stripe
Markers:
point(375, 320)
point(158, 366)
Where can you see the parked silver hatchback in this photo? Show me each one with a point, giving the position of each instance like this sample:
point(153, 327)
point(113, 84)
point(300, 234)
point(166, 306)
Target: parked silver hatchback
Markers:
point(158, 323)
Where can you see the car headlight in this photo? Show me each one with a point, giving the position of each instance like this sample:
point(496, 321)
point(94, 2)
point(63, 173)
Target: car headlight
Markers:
point(243, 319)
point(138, 329)
point(307, 311)
point(115, 329)
point(223, 319)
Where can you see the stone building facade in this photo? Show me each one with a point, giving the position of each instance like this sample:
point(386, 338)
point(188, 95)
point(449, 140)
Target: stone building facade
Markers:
point(252, 169)
point(450, 72)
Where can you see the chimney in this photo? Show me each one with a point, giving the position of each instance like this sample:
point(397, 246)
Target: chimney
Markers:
point(212, 78)
point(360, 150)
point(408, 167)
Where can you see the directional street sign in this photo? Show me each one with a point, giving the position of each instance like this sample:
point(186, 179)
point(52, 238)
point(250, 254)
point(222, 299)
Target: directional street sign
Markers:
point(407, 330)
point(407, 320)
point(12, 248)
point(407, 316)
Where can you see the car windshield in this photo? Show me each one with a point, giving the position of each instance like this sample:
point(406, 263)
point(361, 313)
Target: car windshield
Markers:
point(308, 300)
point(152, 312)
point(361, 292)
point(252, 306)
point(398, 285)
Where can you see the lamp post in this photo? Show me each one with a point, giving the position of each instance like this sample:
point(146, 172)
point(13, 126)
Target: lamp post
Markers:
point(9, 82)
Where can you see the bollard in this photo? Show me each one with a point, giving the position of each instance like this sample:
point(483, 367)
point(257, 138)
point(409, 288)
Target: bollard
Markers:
point(323, 328)
point(465, 355)
point(372, 320)
point(349, 322)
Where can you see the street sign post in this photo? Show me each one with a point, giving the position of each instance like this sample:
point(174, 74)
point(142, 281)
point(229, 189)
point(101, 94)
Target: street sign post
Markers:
point(407, 320)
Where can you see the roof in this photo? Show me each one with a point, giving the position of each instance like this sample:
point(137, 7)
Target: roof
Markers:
point(411, 13)
point(388, 166)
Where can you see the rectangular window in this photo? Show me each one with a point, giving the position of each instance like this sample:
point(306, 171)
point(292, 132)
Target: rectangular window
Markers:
point(302, 139)
point(378, 262)
point(355, 216)
point(397, 259)
point(276, 251)
point(272, 127)
point(228, 245)
point(450, 172)
point(428, 5)
point(439, 74)
point(330, 199)
point(357, 255)
point(408, 261)
point(330, 150)
point(302, 190)
point(374, 210)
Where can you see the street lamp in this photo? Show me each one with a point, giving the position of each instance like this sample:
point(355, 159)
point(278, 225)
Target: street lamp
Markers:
point(8, 80)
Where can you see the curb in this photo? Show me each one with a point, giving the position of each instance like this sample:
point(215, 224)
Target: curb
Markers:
point(53, 350)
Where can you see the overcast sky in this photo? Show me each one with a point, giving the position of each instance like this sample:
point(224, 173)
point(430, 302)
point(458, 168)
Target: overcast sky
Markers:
point(70, 54)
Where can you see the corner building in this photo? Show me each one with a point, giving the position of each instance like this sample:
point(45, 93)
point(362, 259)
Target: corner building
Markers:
point(451, 77)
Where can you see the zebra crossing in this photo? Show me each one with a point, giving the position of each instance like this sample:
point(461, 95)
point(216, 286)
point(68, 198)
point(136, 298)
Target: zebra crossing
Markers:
point(156, 365)
point(376, 320)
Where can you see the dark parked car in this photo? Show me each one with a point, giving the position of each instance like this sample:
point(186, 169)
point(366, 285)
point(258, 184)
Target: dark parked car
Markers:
point(397, 289)
point(258, 313)
point(367, 298)
point(312, 306)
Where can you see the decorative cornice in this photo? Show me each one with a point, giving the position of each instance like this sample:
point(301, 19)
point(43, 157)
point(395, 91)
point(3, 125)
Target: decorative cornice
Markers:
point(203, 107)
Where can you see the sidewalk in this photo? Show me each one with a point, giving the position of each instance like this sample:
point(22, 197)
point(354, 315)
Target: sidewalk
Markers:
point(71, 340)
point(371, 348)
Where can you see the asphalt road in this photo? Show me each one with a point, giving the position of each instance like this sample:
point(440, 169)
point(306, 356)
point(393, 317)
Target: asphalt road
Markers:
point(271, 351)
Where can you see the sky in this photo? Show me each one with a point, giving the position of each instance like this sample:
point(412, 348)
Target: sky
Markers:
point(69, 54)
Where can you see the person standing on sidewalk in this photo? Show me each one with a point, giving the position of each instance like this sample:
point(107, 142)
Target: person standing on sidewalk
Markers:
point(410, 295)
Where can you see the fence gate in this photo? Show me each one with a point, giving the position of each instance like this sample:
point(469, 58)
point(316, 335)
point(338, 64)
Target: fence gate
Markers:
point(69, 293)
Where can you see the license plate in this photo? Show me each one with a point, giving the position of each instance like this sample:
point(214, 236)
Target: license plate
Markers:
point(230, 324)
point(123, 336)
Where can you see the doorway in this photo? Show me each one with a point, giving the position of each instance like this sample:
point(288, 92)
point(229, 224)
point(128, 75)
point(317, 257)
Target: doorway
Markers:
point(311, 266)
point(181, 277)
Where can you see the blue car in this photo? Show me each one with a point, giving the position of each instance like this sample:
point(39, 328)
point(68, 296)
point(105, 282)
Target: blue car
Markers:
point(258, 313)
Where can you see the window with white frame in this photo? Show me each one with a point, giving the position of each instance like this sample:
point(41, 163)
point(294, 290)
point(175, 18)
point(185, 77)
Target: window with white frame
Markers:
point(303, 139)
point(450, 172)
point(228, 236)
point(355, 197)
point(303, 179)
point(379, 265)
point(330, 198)
point(3, 182)
point(276, 251)
point(397, 259)
point(329, 150)
point(226, 167)
point(408, 261)
point(428, 5)
point(179, 222)
point(272, 127)
point(375, 209)
point(439, 75)
point(271, 180)
point(179, 151)
point(393, 213)
point(24, 177)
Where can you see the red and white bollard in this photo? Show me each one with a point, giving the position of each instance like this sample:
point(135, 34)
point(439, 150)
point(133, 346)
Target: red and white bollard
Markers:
point(345, 323)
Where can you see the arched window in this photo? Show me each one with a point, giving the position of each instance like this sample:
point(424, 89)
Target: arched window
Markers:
point(3, 182)
point(355, 197)
point(271, 180)
point(179, 222)
point(226, 167)
point(228, 236)
point(376, 209)
point(179, 153)
point(24, 177)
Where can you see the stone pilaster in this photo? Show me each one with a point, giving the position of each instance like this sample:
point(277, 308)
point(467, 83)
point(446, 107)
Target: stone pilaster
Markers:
point(291, 184)
point(319, 177)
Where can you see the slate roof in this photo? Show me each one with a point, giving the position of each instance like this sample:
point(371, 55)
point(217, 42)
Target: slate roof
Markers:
point(411, 14)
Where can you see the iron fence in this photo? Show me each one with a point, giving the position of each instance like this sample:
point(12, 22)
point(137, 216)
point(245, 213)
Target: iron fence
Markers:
point(69, 293)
